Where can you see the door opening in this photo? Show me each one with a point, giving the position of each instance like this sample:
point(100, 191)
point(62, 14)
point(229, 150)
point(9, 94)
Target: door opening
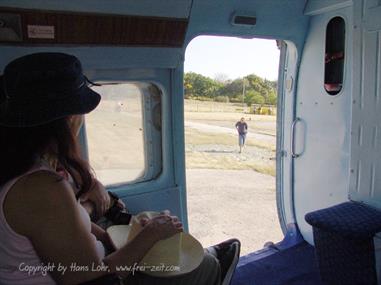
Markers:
point(231, 84)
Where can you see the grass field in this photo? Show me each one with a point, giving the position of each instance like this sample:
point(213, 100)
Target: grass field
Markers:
point(212, 151)
point(211, 140)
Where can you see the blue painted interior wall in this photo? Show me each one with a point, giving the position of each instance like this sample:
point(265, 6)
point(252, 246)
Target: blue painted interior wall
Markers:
point(276, 19)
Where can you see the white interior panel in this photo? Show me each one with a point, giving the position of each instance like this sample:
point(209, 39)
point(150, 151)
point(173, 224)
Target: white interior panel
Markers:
point(284, 173)
point(365, 182)
point(322, 136)
point(314, 7)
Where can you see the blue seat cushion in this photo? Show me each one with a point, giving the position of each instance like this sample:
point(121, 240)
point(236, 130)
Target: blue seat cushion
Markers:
point(350, 219)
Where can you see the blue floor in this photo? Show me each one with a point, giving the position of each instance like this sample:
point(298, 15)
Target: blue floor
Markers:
point(295, 265)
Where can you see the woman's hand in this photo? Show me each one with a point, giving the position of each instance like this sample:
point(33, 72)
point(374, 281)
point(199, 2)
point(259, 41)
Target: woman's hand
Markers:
point(98, 196)
point(163, 226)
point(104, 237)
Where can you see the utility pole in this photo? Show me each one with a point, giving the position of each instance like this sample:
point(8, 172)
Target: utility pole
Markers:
point(243, 95)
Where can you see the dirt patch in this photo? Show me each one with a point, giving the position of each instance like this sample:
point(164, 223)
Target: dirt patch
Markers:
point(228, 157)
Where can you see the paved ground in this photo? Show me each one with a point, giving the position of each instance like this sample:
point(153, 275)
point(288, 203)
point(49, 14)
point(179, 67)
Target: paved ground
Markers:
point(232, 203)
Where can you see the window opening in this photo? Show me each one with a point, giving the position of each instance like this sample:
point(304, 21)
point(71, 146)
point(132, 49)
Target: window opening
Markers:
point(115, 134)
point(334, 56)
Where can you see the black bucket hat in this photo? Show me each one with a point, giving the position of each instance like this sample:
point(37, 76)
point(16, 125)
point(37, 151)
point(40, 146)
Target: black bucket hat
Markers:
point(39, 88)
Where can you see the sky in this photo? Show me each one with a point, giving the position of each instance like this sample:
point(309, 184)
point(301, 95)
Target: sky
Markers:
point(232, 57)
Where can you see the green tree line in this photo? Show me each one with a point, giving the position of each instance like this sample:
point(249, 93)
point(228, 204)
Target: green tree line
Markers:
point(254, 89)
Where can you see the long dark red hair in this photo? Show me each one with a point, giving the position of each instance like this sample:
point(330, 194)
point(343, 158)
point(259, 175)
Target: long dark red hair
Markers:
point(21, 147)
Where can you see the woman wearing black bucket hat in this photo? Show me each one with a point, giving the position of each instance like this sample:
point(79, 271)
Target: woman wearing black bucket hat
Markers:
point(45, 233)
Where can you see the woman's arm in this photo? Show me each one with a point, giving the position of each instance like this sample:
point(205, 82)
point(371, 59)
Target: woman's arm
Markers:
point(52, 220)
point(42, 207)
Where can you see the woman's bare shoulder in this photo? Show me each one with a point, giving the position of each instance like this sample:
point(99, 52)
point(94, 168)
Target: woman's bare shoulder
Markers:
point(35, 197)
point(41, 181)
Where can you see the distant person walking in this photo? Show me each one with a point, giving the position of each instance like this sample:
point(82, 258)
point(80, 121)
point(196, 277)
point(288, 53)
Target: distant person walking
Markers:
point(241, 127)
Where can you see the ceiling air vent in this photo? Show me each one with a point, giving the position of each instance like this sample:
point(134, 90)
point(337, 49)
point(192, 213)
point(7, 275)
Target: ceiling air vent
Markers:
point(241, 20)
